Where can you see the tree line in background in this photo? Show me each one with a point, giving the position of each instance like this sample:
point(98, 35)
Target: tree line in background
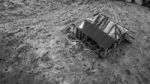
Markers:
point(145, 3)
point(140, 2)
point(5, 4)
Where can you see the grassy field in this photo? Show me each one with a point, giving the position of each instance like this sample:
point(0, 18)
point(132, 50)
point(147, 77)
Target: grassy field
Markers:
point(34, 50)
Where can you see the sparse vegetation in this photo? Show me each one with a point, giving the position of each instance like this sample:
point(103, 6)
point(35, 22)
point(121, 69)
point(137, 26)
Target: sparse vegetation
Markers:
point(35, 50)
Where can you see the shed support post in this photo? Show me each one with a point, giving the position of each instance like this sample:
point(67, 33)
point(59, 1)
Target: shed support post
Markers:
point(105, 53)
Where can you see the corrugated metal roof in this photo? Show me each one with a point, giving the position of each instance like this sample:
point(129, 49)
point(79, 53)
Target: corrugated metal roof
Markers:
point(102, 30)
point(101, 38)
